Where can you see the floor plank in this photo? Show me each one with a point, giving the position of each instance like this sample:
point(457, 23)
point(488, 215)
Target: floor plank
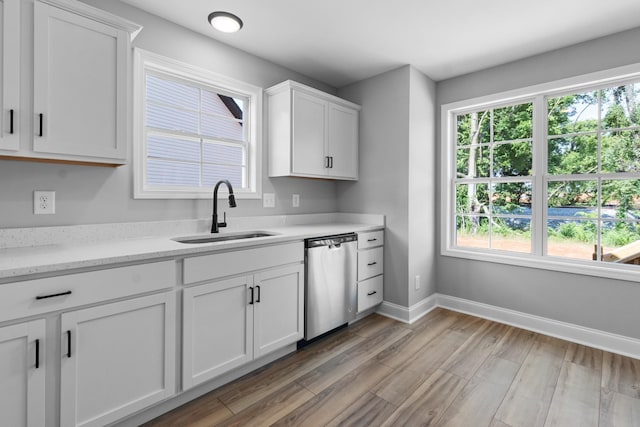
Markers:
point(515, 345)
point(576, 400)
point(270, 409)
point(251, 388)
point(341, 364)
point(481, 397)
point(369, 410)
point(621, 374)
point(527, 401)
point(466, 360)
point(336, 398)
point(617, 409)
point(429, 401)
point(203, 412)
point(582, 355)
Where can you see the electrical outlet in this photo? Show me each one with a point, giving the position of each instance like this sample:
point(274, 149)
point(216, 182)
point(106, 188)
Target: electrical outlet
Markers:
point(295, 200)
point(44, 202)
point(269, 200)
point(417, 282)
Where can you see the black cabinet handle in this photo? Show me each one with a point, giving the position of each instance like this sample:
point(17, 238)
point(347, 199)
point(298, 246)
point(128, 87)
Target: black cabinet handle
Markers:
point(372, 263)
point(372, 240)
point(53, 295)
point(251, 287)
point(331, 162)
point(371, 293)
point(40, 118)
point(11, 121)
point(69, 343)
point(258, 299)
point(37, 354)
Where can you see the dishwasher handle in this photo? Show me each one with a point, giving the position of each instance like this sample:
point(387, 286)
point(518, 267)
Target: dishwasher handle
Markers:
point(335, 240)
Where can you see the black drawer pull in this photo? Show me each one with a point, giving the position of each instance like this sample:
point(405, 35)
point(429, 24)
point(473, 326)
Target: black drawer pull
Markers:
point(11, 121)
point(69, 343)
point(372, 263)
point(371, 293)
point(37, 354)
point(258, 299)
point(40, 117)
point(372, 240)
point(60, 294)
point(251, 302)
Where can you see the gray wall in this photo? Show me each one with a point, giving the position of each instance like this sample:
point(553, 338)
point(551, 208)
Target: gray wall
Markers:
point(383, 184)
point(397, 149)
point(86, 194)
point(604, 304)
point(422, 188)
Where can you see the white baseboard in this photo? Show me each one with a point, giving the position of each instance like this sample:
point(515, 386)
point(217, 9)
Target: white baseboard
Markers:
point(567, 331)
point(411, 314)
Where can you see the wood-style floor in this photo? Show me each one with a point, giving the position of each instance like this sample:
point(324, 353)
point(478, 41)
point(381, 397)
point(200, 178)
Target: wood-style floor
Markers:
point(446, 369)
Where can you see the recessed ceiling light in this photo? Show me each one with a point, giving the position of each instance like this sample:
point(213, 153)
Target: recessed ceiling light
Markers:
point(225, 22)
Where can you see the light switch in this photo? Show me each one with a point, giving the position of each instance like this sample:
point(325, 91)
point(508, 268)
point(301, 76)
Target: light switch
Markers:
point(269, 200)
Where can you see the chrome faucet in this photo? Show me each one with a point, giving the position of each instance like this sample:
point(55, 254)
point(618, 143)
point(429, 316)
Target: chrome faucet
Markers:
point(215, 225)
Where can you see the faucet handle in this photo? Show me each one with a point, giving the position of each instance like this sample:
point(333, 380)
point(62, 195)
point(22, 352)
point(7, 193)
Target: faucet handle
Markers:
point(224, 220)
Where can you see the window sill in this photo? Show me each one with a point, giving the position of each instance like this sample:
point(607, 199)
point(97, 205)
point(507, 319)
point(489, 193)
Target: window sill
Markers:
point(194, 195)
point(589, 268)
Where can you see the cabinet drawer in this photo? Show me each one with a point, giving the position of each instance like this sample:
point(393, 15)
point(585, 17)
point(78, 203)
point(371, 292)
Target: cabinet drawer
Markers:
point(207, 267)
point(22, 299)
point(370, 239)
point(370, 263)
point(369, 293)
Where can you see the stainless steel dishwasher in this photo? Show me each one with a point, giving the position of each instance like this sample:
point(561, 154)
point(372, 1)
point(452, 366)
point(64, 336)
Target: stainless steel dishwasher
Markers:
point(331, 281)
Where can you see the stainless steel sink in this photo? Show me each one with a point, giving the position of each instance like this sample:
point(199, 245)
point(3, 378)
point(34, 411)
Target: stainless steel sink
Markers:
point(223, 237)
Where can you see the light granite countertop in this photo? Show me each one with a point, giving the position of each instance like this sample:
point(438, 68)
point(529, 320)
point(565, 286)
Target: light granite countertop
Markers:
point(23, 256)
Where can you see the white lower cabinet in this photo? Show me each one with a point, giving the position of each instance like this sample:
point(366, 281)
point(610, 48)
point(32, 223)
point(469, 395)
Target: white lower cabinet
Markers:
point(229, 322)
point(370, 269)
point(278, 309)
point(217, 329)
point(117, 358)
point(22, 374)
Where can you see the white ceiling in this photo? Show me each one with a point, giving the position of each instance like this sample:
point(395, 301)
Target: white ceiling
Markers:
point(342, 41)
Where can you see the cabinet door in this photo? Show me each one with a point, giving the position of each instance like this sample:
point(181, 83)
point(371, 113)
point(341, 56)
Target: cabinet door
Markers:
point(217, 329)
point(278, 308)
point(79, 85)
point(22, 374)
point(10, 74)
point(116, 359)
point(343, 142)
point(309, 134)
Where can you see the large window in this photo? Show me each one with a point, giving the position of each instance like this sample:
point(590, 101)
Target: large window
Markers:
point(193, 128)
point(551, 177)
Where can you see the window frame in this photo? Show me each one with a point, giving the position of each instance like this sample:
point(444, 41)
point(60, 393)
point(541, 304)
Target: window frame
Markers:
point(537, 94)
point(157, 64)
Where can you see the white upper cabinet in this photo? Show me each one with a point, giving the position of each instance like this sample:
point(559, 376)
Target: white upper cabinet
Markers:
point(81, 71)
point(311, 133)
point(80, 84)
point(9, 74)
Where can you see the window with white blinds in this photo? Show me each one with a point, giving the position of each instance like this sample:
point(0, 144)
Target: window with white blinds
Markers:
point(194, 128)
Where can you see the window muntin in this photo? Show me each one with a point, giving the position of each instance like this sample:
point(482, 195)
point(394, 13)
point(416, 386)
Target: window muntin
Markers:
point(594, 135)
point(194, 128)
point(584, 177)
point(493, 155)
